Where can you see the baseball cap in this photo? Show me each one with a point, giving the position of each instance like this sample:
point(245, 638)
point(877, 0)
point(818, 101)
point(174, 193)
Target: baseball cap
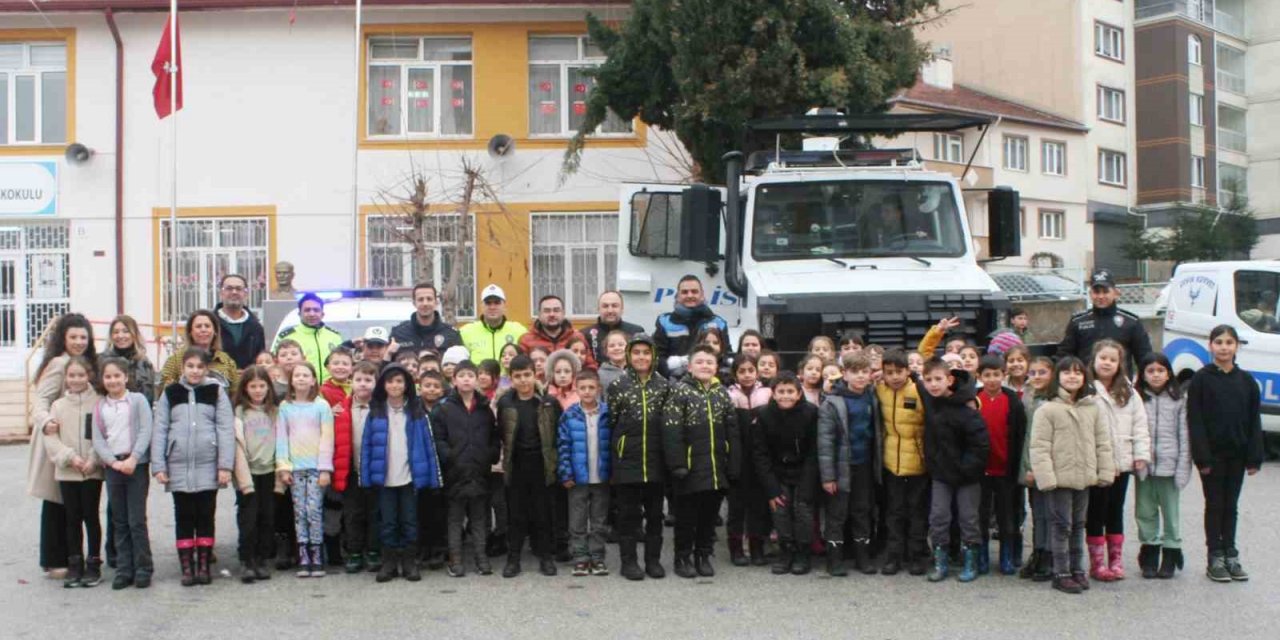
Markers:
point(493, 291)
point(1102, 278)
point(454, 355)
point(375, 335)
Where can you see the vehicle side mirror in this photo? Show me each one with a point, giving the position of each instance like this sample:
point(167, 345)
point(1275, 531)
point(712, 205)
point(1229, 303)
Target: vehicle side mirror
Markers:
point(1004, 221)
point(700, 224)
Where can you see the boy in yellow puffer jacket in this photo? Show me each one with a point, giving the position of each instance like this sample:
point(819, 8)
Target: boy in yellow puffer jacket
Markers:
point(906, 483)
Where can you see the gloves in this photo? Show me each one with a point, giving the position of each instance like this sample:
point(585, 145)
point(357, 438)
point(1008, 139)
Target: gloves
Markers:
point(676, 365)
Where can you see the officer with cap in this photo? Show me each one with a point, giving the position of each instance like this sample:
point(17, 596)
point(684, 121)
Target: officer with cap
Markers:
point(485, 337)
point(375, 344)
point(1104, 320)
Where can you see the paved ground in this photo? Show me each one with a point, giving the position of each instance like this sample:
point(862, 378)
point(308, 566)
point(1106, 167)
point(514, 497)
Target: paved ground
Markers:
point(738, 603)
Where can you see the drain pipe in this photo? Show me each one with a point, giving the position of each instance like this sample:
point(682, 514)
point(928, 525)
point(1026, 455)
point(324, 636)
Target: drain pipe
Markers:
point(115, 35)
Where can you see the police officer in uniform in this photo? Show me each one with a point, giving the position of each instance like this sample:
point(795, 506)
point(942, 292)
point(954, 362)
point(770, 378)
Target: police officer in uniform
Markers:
point(1104, 320)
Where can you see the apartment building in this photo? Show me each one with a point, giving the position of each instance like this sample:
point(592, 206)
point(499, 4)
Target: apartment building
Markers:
point(295, 131)
point(1041, 155)
point(1072, 59)
point(1208, 99)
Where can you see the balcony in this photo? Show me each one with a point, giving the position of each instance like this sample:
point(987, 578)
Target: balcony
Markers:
point(1227, 16)
point(1228, 81)
point(1232, 140)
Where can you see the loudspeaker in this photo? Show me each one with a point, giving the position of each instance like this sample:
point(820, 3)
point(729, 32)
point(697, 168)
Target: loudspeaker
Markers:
point(1004, 222)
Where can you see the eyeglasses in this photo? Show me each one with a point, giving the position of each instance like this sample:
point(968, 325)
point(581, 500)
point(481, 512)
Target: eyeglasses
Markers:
point(231, 289)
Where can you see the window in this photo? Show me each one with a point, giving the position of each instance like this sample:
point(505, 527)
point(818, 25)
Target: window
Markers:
point(33, 93)
point(575, 256)
point(948, 147)
point(1015, 153)
point(655, 225)
point(420, 87)
point(1111, 168)
point(1193, 49)
point(1256, 299)
point(391, 263)
point(1053, 158)
point(1233, 181)
point(35, 282)
point(209, 248)
point(1053, 225)
point(1197, 110)
point(1197, 172)
point(559, 86)
point(1111, 105)
point(1108, 41)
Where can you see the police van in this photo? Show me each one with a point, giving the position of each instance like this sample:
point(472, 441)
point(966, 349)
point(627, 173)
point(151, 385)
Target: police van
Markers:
point(348, 312)
point(1241, 294)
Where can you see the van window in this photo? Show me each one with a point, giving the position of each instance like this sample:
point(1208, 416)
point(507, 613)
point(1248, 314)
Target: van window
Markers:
point(1256, 293)
point(655, 224)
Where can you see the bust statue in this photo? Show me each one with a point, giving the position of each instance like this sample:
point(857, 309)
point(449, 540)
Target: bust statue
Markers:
point(284, 280)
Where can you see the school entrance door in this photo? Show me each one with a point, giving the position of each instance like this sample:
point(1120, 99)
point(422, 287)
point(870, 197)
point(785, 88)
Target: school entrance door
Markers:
point(34, 288)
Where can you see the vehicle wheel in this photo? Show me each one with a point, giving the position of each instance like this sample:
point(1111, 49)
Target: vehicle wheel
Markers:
point(1271, 442)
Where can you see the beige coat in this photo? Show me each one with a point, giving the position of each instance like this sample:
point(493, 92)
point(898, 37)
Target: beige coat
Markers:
point(40, 473)
point(73, 412)
point(1071, 446)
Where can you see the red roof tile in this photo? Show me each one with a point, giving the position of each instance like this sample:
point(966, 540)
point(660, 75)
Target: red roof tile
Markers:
point(962, 99)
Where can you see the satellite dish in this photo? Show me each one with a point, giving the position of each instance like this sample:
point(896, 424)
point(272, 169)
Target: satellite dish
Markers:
point(501, 145)
point(78, 153)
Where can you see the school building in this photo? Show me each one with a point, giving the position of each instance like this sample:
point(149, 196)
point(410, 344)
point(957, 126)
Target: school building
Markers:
point(295, 135)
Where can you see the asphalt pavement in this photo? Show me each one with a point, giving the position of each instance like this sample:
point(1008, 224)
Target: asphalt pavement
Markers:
point(738, 602)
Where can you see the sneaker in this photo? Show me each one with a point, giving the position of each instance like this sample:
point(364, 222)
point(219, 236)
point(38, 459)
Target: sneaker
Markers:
point(547, 567)
point(457, 570)
point(1081, 579)
point(355, 563)
point(92, 572)
point(581, 569)
point(1234, 569)
point(121, 582)
point(512, 569)
point(598, 568)
point(1217, 570)
point(142, 581)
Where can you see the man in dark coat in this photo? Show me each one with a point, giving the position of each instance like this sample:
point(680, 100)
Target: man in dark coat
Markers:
point(609, 320)
point(242, 335)
point(1104, 320)
point(425, 329)
point(675, 332)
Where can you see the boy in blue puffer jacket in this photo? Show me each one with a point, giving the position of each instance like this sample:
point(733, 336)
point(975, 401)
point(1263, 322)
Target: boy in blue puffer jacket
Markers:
point(398, 457)
point(582, 442)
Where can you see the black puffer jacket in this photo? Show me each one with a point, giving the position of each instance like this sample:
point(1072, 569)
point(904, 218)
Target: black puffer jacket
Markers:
point(785, 449)
point(701, 427)
point(438, 335)
point(636, 420)
point(955, 436)
point(467, 443)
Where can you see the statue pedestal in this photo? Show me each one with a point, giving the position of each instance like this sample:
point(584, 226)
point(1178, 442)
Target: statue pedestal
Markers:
point(273, 313)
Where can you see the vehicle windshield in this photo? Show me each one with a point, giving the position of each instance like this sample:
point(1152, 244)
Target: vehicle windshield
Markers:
point(855, 219)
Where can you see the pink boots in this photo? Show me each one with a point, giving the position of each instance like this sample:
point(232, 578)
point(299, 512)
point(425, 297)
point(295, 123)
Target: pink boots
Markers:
point(1115, 555)
point(1098, 567)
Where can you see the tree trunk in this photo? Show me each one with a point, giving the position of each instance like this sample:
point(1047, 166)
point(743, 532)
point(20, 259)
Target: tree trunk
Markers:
point(449, 289)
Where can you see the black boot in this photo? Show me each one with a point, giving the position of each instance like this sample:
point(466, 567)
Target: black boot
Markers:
point(684, 566)
point(1149, 560)
point(260, 570)
point(919, 565)
point(755, 544)
point(1029, 567)
point(409, 566)
point(835, 560)
point(702, 564)
point(736, 556)
point(653, 558)
point(186, 557)
point(390, 565)
point(630, 563)
point(782, 561)
point(92, 572)
point(1044, 568)
point(75, 572)
point(284, 553)
point(1170, 562)
point(202, 565)
point(800, 564)
point(862, 557)
point(547, 566)
point(247, 575)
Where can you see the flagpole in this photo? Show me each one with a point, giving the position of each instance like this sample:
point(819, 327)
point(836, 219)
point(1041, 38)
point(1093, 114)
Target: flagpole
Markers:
point(355, 152)
point(173, 201)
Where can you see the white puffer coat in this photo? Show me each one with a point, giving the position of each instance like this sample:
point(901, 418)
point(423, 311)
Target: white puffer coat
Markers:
point(1130, 437)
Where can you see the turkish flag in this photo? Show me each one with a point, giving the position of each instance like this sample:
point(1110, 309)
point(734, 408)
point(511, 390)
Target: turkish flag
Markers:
point(160, 66)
